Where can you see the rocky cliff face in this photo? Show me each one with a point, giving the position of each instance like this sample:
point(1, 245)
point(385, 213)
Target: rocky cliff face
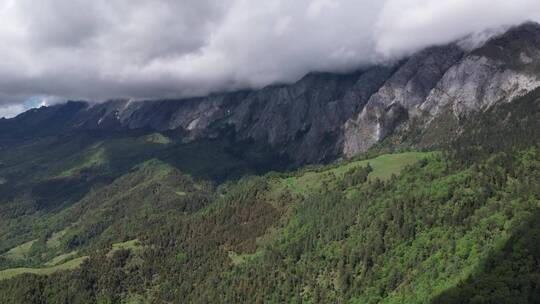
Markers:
point(322, 116)
point(399, 98)
point(449, 79)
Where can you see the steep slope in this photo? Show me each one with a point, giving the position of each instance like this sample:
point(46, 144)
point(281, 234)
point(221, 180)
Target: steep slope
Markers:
point(287, 119)
point(445, 81)
point(340, 114)
point(155, 201)
point(327, 234)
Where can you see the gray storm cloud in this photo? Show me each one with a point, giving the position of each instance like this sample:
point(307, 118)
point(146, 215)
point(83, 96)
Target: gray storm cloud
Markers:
point(100, 49)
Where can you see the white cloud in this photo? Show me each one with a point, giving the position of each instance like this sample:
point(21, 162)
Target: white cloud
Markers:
point(406, 26)
point(316, 7)
point(151, 49)
point(12, 110)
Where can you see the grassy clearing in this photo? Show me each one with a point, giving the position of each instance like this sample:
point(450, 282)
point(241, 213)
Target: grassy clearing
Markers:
point(383, 168)
point(157, 138)
point(386, 165)
point(72, 264)
point(95, 157)
point(20, 252)
point(62, 262)
point(61, 258)
point(55, 239)
point(130, 245)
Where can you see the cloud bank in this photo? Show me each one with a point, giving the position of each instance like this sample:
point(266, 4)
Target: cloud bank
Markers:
point(100, 49)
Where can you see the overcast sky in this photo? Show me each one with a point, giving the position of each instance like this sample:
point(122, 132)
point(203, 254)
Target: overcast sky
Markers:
point(52, 50)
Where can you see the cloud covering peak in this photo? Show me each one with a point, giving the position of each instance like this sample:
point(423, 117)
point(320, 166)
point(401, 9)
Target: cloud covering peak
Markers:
point(103, 49)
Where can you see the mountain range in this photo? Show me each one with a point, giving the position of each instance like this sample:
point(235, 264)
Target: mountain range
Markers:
point(340, 114)
point(413, 181)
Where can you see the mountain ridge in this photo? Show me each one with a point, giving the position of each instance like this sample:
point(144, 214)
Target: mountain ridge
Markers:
point(173, 202)
point(340, 114)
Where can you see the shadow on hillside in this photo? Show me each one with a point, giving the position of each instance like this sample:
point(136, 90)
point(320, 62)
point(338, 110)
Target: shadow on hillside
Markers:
point(221, 160)
point(511, 275)
point(215, 160)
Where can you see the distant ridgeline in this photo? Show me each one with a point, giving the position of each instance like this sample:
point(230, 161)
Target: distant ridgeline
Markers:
point(340, 114)
point(435, 210)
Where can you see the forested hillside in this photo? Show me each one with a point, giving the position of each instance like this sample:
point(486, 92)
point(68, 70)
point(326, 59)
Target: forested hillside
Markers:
point(302, 152)
point(455, 225)
point(143, 218)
